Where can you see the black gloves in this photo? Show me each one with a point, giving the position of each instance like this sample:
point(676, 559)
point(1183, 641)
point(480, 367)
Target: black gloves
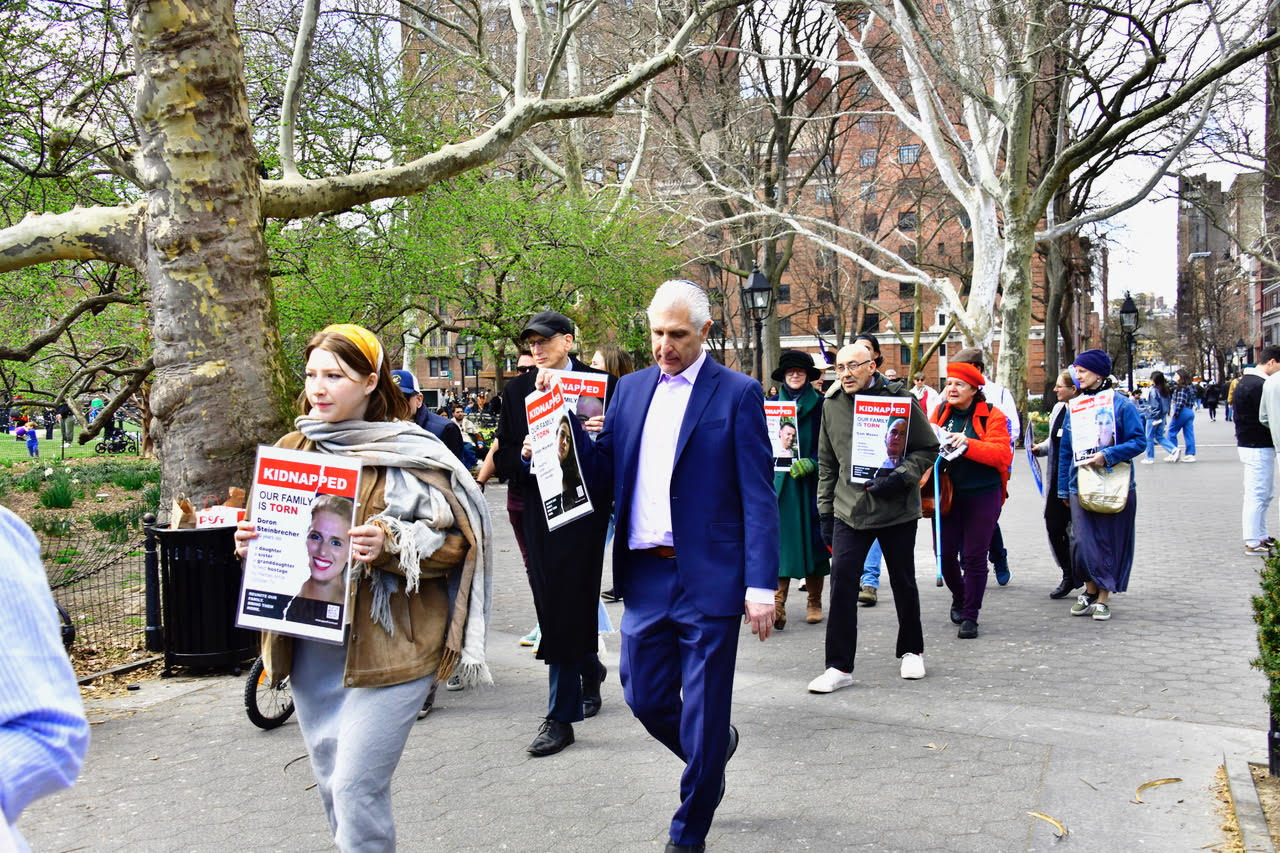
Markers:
point(887, 488)
point(827, 523)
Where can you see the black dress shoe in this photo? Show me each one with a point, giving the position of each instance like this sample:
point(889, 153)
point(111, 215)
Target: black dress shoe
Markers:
point(968, 630)
point(728, 754)
point(610, 595)
point(1063, 589)
point(672, 847)
point(552, 737)
point(956, 618)
point(591, 700)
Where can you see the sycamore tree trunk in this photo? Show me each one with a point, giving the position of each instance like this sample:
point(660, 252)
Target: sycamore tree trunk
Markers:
point(1054, 299)
point(220, 382)
point(1015, 311)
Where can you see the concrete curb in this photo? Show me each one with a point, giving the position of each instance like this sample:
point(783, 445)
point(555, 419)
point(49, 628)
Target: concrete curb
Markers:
point(1244, 797)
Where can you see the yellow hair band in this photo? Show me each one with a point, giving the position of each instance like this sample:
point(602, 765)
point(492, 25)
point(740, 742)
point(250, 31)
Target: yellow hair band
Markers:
point(365, 341)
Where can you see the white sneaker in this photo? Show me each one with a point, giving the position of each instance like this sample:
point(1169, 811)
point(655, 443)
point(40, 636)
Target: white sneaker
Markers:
point(912, 666)
point(1148, 461)
point(1173, 455)
point(1190, 457)
point(830, 681)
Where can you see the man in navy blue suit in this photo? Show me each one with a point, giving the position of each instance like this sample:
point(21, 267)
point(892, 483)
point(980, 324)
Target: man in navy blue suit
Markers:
point(696, 543)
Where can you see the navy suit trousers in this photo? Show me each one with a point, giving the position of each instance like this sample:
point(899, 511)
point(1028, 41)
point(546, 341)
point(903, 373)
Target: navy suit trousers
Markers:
point(677, 676)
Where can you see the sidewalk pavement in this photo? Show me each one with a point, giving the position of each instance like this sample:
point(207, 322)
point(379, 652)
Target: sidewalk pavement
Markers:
point(1042, 713)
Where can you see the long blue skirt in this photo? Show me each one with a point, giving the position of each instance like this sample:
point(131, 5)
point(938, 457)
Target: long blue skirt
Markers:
point(1104, 543)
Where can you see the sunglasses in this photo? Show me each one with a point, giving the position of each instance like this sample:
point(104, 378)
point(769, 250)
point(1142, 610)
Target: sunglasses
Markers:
point(527, 368)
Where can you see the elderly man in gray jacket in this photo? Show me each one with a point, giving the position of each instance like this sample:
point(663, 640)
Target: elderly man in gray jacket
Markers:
point(854, 515)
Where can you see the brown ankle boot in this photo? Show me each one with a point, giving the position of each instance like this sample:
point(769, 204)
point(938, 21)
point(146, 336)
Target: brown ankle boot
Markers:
point(780, 603)
point(813, 614)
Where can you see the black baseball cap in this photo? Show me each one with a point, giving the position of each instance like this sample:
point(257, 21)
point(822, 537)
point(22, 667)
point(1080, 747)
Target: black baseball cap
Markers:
point(548, 324)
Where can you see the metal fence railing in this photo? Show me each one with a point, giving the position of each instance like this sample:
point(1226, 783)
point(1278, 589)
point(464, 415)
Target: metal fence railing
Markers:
point(101, 585)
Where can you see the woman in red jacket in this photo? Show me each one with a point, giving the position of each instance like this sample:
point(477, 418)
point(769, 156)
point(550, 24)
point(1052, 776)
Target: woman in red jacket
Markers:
point(976, 437)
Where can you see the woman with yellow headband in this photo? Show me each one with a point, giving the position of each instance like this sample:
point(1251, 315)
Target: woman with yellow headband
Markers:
point(418, 603)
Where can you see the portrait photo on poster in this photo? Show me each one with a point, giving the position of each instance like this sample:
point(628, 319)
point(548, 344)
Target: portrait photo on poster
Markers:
point(1093, 424)
point(880, 432)
point(584, 393)
point(554, 463)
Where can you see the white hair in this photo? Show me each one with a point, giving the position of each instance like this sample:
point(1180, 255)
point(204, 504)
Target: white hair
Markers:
point(679, 292)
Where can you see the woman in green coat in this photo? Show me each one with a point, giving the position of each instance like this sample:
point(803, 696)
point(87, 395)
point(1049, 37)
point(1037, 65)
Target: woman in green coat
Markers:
point(801, 552)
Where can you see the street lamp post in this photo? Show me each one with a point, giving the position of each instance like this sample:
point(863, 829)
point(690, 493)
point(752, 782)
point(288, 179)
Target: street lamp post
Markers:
point(462, 348)
point(1242, 350)
point(1129, 322)
point(757, 300)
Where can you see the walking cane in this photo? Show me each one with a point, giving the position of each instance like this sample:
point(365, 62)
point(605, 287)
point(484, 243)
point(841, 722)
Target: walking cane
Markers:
point(937, 518)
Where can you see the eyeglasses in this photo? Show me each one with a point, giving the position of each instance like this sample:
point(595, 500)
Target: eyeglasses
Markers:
point(526, 368)
point(539, 343)
point(842, 369)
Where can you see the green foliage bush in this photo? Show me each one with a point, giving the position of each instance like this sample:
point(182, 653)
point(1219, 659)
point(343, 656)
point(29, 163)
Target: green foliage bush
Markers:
point(50, 526)
point(1266, 613)
point(59, 492)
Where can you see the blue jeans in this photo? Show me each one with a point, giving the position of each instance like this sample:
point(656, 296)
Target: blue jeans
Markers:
point(871, 566)
point(1155, 435)
point(1184, 422)
point(1259, 488)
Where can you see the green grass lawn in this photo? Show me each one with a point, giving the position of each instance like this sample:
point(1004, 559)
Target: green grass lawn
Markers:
point(12, 450)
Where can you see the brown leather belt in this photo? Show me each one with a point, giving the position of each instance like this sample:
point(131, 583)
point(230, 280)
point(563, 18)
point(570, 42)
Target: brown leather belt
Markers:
point(665, 552)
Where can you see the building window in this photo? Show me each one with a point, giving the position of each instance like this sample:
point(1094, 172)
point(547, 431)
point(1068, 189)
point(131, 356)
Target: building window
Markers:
point(907, 220)
point(968, 252)
point(867, 192)
point(868, 124)
point(622, 170)
point(907, 321)
point(822, 192)
point(826, 324)
point(826, 259)
point(784, 326)
point(942, 249)
point(904, 356)
point(964, 219)
point(907, 251)
point(825, 295)
point(870, 322)
point(908, 153)
point(870, 223)
point(869, 288)
point(867, 158)
point(907, 289)
point(942, 318)
point(784, 294)
point(942, 350)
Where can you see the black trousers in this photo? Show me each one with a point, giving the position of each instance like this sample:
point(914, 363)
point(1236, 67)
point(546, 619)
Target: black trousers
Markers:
point(848, 553)
point(1057, 524)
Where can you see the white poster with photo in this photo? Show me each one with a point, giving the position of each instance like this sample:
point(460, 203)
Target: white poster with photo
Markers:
point(880, 426)
point(1093, 424)
point(296, 572)
point(784, 432)
point(555, 457)
point(583, 392)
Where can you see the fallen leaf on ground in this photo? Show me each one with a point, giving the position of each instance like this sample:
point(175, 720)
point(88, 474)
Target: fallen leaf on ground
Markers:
point(1137, 796)
point(1057, 824)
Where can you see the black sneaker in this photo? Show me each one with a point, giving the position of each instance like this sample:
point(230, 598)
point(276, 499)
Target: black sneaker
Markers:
point(968, 630)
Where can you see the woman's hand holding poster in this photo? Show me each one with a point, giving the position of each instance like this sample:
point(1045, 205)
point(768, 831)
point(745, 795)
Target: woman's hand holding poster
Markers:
point(555, 457)
point(1093, 424)
point(880, 427)
point(295, 574)
point(780, 416)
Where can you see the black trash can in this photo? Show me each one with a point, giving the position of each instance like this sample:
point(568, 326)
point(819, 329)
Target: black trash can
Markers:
point(200, 588)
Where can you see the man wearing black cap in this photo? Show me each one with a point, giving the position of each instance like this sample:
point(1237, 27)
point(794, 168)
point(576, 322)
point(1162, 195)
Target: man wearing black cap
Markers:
point(564, 569)
point(438, 425)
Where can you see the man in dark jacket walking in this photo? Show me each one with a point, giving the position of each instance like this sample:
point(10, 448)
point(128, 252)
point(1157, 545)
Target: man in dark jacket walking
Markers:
point(1256, 451)
point(439, 426)
point(564, 568)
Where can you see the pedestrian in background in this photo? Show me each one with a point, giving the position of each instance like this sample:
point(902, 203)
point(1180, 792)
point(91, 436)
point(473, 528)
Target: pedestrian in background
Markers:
point(979, 433)
point(801, 552)
point(1212, 394)
point(925, 393)
point(1104, 541)
point(43, 732)
point(856, 515)
point(1155, 416)
point(357, 701)
point(1057, 516)
point(1256, 451)
point(616, 361)
point(1182, 418)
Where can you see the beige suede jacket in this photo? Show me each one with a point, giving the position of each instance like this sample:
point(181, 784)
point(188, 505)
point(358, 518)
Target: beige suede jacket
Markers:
point(376, 658)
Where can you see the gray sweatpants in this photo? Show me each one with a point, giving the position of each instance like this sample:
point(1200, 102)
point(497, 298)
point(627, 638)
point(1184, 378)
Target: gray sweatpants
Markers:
point(354, 737)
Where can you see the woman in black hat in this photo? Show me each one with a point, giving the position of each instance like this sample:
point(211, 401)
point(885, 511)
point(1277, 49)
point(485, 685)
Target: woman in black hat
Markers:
point(801, 552)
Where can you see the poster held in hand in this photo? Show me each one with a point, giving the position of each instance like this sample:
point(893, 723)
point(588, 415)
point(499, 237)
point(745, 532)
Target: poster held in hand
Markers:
point(555, 457)
point(1029, 442)
point(584, 393)
point(880, 426)
point(1093, 424)
point(780, 417)
point(296, 573)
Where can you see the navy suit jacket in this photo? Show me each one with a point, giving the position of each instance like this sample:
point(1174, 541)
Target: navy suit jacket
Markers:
point(724, 512)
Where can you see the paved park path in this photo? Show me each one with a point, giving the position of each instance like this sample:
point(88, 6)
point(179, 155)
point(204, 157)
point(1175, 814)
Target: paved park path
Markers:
point(1043, 713)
